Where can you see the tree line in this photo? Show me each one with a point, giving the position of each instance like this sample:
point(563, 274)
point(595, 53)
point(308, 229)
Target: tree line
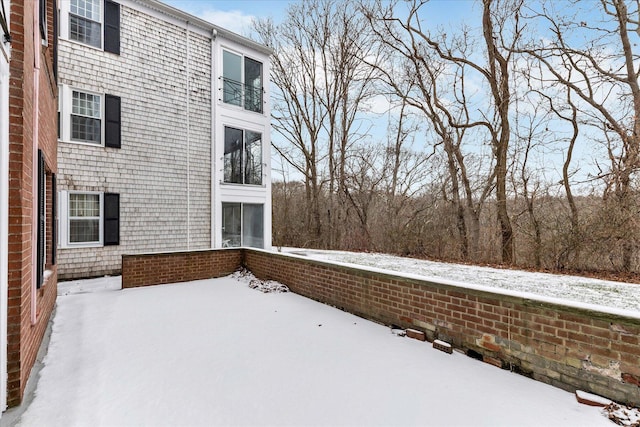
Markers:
point(511, 137)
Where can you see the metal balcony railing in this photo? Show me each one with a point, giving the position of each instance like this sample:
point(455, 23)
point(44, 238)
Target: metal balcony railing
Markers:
point(238, 93)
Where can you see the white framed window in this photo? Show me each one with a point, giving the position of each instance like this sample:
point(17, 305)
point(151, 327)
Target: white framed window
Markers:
point(81, 218)
point(88, 219)
point(85, 22)
point(242, 82)
point(88, 117)
point(242, 156)
point(242, 225)
point(94, 23)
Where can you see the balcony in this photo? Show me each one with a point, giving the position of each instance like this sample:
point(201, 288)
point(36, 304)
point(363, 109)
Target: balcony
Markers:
point(247, 96)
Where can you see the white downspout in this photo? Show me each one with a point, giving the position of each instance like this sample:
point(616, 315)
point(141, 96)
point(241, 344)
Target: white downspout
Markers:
point(188, 143)
point(34, 166)
point(214, 162)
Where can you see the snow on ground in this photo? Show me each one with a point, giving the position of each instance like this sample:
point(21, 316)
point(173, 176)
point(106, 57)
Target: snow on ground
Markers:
point(99, 284)
point(606, 293)
point(215, 352)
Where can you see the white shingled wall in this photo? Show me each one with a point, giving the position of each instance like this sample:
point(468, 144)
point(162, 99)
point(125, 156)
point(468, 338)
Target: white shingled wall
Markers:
point(163, 170)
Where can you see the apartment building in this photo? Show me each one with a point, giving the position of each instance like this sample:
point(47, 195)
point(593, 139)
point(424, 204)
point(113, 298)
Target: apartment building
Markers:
point(164, 135)
point(28, 100)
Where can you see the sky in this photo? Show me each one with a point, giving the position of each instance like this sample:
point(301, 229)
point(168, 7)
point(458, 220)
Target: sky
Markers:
point(234, 15)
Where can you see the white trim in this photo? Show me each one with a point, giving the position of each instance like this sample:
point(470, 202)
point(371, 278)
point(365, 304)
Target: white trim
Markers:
point(188, 136)
point(63, 30)
point(63, 201)
point(220, 95)
point(66, 111)
point(242, 206)
point(224, 114)
point(215, 195)
point(4, 217)
point(64, 220)
point(242, 166)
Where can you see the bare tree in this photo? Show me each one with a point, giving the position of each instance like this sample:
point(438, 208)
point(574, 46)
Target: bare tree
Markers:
point(317, 106)
point(424, 51)
point(594, 58)
point(297, 109)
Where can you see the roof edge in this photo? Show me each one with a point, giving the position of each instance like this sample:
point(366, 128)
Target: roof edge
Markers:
point(205, 25)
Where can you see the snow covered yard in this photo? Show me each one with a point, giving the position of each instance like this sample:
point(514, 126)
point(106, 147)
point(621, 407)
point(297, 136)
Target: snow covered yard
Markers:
point(215, 352)
point(586, 290)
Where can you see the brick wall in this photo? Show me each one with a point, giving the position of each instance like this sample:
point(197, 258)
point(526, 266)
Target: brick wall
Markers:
point(23, 336)
point(159, 268)
point(568, 347)
point(163, 177)
point(571, 348)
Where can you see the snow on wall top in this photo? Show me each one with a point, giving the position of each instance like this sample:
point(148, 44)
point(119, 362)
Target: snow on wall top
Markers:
point(616, 298)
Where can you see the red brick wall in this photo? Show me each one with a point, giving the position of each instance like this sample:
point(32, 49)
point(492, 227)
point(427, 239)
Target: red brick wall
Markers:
point(155, 269)
point(567, 347)
point(23, 337)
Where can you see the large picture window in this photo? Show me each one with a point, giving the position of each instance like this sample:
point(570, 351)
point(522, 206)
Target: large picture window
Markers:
point(242, 81)
point(242, 156)
point(242, 225)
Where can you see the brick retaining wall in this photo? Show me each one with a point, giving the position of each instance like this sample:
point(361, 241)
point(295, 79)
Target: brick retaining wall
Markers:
point(172, 267)
point(568, 347)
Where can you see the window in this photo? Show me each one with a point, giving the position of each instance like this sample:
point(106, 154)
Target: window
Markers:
point(46, 213)
point(86, 117)
point(84, 218)
point(95, 23)
point(242, 156)
point(89, 219)
point(42, 8)
point(85, 22)
point(89, 117)
point(242, 81)
point(242, 225)
point(4, 23)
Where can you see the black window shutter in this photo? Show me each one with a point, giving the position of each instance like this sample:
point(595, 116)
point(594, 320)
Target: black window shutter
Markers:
point(41, 219)
point(112, 132)
point(54, 219)
point(111, 219)
point(112, 27)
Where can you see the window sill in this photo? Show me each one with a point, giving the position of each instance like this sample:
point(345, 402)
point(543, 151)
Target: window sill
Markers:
point(247, 186)
point(88, 46)
point(82, 245)
point(88, 144)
